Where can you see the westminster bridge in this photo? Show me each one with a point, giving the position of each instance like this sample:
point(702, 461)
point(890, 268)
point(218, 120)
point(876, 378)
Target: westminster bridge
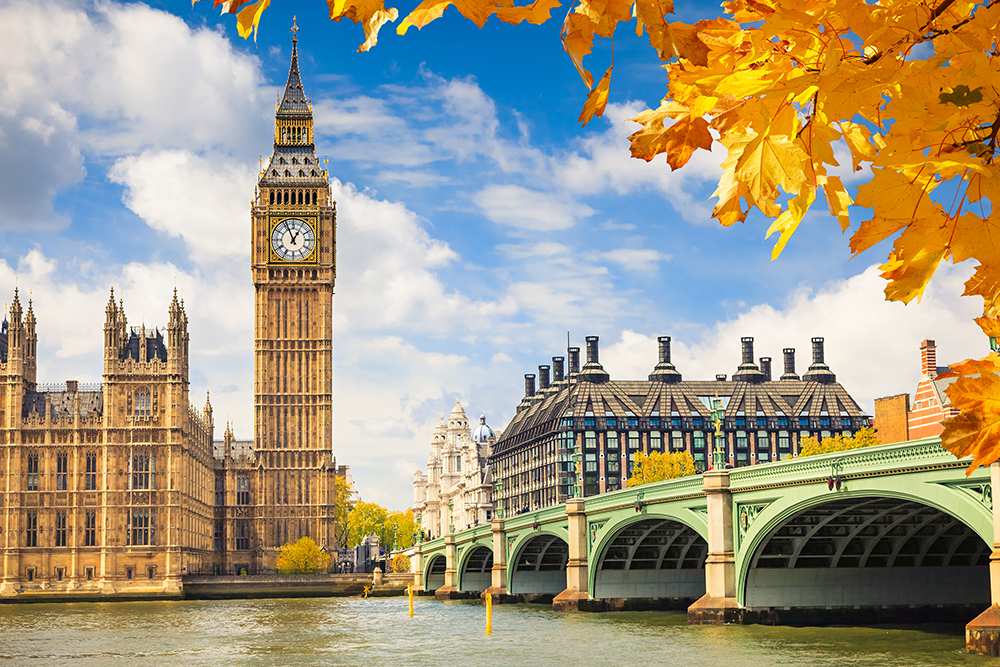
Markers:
point(880, 533)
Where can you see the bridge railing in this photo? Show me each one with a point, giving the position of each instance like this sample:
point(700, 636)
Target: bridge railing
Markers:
point(867, 460)
point(670, 489)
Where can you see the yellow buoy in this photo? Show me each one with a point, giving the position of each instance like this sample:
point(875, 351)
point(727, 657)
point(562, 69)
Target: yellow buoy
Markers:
point(489, 614)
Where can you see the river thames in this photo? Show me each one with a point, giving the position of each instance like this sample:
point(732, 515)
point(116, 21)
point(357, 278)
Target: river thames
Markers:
point(352, 631)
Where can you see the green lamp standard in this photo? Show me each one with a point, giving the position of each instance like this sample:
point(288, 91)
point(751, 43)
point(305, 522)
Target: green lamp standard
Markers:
point(419, 535)
point(578, 466)
point(451, 516)
point(719, 453)
point(498, 509)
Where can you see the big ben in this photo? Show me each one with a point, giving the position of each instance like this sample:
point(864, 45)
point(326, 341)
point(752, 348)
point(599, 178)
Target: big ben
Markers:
point(294, 226)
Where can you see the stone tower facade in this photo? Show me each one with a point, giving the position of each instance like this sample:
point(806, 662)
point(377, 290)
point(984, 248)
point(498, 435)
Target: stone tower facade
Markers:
point(293, 262)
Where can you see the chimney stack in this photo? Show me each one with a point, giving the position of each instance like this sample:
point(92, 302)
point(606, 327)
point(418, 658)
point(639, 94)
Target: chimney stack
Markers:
point(574, 360)
point(543, 378)
point(558, 366)
point(928, 360)
point(789, 373)
point(819, 371)
point(592, 370)
point(665, 371)
point(748, 371)
point(765, 368)
point(529, 385)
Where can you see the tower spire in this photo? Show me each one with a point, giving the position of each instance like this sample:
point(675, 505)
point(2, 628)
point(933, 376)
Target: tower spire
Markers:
point(294, 99)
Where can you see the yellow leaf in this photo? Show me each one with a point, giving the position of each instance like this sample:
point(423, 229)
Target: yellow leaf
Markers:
point(837, 200)
point(372, 14)
point(597, 99)
point(537, 13)
point(769, 161)
point(789, 221)
point(248, 18)
point(976, 393)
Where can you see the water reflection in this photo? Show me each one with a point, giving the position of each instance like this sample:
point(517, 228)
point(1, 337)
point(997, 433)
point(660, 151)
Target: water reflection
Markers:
point(350, 631)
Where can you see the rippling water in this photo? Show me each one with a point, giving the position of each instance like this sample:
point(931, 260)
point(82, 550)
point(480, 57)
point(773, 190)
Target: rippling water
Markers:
point(377, 632)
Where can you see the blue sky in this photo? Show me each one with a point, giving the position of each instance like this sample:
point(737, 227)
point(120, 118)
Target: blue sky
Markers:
point(478, 222)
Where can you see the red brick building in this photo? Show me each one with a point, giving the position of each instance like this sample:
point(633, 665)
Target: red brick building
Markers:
point(896, 420)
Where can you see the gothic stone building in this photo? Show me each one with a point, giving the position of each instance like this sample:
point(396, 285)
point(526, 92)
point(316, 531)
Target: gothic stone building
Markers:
point(119, 488)
point(584, 419)
point(457, 488)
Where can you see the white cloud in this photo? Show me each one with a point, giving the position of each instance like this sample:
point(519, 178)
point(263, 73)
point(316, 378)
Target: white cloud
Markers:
point(603, 164)
point(202, 200)
point(515, 206)
point(636, 259)
point(110, 78)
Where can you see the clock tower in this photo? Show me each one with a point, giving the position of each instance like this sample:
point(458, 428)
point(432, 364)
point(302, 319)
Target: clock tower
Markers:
point(293, 251)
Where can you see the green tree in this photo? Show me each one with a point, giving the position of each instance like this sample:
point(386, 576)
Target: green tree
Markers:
point(400, 529)
point(341, 508)
point(400, 563)
point(365, 519)
point(658, 466)
point(839, 443)
point(302, 557)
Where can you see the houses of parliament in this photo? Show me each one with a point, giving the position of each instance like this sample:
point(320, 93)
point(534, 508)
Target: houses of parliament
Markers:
point(120, 488)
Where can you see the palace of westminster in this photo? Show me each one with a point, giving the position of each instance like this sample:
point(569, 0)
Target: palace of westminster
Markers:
point(120, 488)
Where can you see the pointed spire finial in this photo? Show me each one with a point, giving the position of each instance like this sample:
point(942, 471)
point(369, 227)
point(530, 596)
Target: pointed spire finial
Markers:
point(294, 31)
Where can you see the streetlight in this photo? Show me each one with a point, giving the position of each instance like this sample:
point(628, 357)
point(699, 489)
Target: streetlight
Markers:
point(498, 510)
point(719, 453)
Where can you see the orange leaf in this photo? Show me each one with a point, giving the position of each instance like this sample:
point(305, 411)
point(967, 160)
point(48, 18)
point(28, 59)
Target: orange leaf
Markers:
point(976, 431)
point(837, 200)
point(679, 140)
point(536, 13)
point(371, 13)
point(248, 18)
point(597, 99)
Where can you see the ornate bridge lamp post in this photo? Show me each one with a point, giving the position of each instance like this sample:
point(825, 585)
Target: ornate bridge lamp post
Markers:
point(719, 451)
point(451, 516)
point(578, 466)
point(498, 510)
point(418, 536)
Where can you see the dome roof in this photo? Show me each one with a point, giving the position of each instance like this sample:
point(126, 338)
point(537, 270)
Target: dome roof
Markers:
point(458, 412)
point(482, 433)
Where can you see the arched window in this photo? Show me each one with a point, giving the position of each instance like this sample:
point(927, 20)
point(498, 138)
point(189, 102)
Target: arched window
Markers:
point(314, 192)
point(313, 173)
point(305, 136)
point(142, 402)
point(294, 161)
point(288, 173)
point(274, 172)
point(281, 160)
point(272, 196)
point(301, 173)
point(305, 160)
point(283, 135)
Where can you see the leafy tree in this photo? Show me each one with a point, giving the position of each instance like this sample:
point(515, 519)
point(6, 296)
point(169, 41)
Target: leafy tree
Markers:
point(658, 466)
point(400, 529)
point(341, 508)
point(839, 443)
point(909, 87)
point(366, 519)
point(400, 563)
point(302, 557)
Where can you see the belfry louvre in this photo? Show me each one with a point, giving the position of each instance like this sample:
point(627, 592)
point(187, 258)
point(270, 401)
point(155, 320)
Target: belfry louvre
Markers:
point(584, 418)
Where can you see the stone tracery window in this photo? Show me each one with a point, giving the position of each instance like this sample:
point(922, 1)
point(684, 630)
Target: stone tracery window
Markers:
point(142, 402)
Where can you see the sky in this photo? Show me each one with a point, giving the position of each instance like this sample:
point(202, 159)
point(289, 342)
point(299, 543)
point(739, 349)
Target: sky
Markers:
point(478, 223)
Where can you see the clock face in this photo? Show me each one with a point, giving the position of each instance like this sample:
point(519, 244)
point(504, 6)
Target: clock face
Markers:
point(293, 239)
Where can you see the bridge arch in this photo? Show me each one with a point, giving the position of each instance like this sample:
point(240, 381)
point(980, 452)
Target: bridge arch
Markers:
point(866, 547)
point(649, 555)
point(538, 564)
point(475, 569)
point(434, 572)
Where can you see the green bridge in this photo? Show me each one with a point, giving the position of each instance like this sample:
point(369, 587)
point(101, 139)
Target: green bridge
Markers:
point(881, 533)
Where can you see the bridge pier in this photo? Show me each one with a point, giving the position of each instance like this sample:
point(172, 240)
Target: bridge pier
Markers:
point(719, 604)
point(982, 634)
point(417, 568)
point(576, 566)
point(450, 587)
point(498, 574)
